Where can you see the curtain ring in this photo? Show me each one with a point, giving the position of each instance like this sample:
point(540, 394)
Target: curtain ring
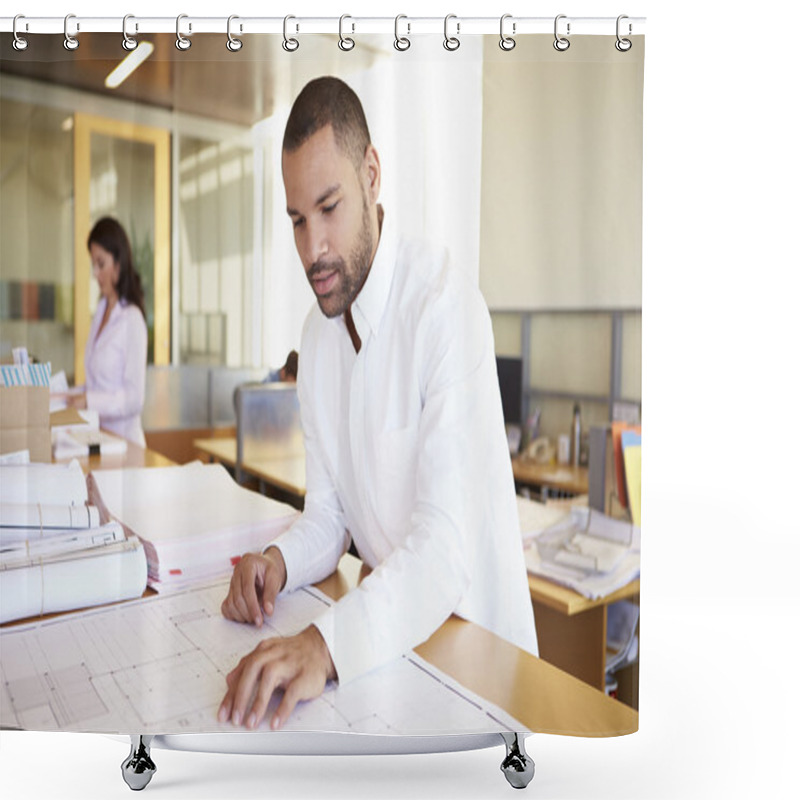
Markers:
point(233, 44)
point(289, 44)
point(128, 42)
point(19, 43)
point(561, 43)
point(451, 43)
point(345, 42)
point(507, 42)
point(182, 43)
point(70, 42)
point(401, 43)
point(623, 45)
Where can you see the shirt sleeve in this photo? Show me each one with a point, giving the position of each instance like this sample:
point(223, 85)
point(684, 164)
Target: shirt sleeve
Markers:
point(412, 592)
point(312, 547)
point(127, 398)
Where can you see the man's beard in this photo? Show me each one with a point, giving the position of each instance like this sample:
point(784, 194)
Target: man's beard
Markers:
point(350, 280)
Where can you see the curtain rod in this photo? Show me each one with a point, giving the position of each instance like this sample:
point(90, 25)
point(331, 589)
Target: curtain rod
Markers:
point(188, 25)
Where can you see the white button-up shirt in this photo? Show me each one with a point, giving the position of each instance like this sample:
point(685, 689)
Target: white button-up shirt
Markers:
point(116, 362)
point(406, 450)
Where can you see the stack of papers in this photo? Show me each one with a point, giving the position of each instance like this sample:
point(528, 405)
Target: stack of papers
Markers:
point(583, 549)
point(77, 441)
point(195, 521)
point(55, 555)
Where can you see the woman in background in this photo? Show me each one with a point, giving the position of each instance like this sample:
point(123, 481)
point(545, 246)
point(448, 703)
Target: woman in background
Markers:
point(116, 351)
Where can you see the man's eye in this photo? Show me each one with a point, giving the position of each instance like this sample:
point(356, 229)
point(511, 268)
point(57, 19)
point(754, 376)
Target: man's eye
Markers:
point(328, 209)
point(296, 223)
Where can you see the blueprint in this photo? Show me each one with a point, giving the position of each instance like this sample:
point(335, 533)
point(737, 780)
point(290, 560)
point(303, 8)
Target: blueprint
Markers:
point(158, 666)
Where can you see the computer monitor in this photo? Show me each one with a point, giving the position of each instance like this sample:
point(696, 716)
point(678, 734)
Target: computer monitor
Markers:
point(509, 373)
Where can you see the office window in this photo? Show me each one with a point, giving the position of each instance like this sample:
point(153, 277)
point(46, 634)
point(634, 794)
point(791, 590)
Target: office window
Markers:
point(36, 238)
point(215, 224)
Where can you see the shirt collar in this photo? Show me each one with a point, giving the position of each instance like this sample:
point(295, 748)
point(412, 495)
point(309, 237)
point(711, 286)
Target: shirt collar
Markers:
point(368, 307)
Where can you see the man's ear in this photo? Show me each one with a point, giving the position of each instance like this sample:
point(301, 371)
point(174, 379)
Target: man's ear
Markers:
point(372, 173)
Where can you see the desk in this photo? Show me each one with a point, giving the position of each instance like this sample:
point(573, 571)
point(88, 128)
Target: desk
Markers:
point(134, 456)
point(286, 474)
point(543, 697)
point(572, 629)
point(551, 479)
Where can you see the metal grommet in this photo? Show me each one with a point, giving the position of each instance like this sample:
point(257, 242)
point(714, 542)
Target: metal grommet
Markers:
point(507, 42)
point(233, 44)
point(623, 45)
point(345, 42)
point(70, 42)
point(128, 42)
point(401, 43)
point(182, 43)
point(19, 43)
point(451, 43)
point(561, 43)
point(289, 44)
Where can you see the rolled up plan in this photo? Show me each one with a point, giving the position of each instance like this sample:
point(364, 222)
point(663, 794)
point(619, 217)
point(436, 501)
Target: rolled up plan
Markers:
point(103, 575)
point(45, 484)
point(33, 551)
point(19, 515)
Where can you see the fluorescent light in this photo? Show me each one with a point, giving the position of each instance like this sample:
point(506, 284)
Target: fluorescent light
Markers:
point(128, 64)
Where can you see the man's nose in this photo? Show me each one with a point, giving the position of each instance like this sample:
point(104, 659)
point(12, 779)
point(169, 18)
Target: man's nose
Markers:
point(317, 244)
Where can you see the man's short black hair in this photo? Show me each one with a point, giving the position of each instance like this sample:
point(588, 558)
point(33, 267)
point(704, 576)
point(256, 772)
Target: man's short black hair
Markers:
point(329, 101)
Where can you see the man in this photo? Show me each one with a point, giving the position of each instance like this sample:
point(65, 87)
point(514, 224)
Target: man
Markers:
point(287, 373)
point(405, 445)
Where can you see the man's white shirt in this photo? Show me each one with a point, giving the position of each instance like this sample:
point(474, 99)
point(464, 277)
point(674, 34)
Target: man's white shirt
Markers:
point(406, 452)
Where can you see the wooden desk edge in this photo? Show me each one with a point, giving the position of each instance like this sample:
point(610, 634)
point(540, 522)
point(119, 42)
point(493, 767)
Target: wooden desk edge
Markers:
point(569, 602)
point(541, 696)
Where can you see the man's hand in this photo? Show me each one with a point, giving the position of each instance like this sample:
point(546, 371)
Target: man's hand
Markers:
point(300, 665)
point(255, 584)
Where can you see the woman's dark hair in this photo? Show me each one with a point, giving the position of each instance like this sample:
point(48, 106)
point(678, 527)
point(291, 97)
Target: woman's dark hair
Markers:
point(111, 236)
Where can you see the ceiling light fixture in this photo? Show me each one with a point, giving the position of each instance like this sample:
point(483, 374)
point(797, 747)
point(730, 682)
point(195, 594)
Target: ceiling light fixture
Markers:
point(128, 65)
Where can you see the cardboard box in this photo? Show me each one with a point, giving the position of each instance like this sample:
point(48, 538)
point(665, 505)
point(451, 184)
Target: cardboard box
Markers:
point(25, 421)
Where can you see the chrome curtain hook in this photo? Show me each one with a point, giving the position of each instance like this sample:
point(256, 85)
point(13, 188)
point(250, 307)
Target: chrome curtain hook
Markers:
point(70, 42)
point(561, 43)
point(623, 45)
point(19, 43)
point(507, 42)
point(345, 42)
point(233, 44)
point(182, 43)
point(401, 43)
point(451, 43)
point(289, 44)
point(128, 42)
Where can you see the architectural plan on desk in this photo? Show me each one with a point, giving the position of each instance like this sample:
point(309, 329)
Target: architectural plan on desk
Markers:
point(158, 666)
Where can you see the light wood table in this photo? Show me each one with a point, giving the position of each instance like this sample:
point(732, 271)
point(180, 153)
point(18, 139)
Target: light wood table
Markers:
point(134, 456)
point(541, 696)
point(284, 473)
point(551, 479)
point(572, 628)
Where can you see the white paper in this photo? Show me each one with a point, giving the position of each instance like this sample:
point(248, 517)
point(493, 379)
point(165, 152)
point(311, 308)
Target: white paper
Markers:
point(159, 666)
point(194, 519)
point(76, 441)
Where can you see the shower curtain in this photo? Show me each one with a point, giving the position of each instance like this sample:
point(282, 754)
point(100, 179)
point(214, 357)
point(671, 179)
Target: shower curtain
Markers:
point(520, 155)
